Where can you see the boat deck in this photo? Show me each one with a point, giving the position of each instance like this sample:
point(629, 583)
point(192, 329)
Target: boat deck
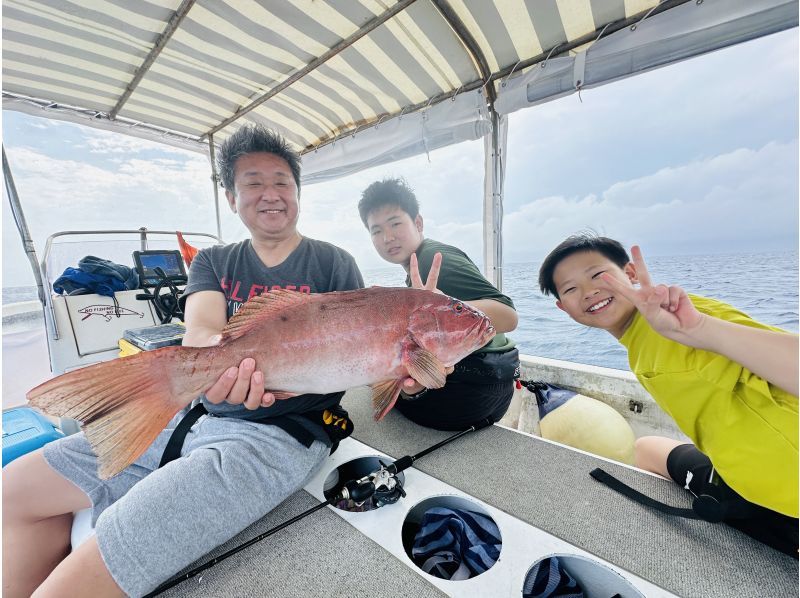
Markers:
point(537, 482)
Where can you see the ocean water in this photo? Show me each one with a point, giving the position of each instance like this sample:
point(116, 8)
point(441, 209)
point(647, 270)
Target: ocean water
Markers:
point(763, 285)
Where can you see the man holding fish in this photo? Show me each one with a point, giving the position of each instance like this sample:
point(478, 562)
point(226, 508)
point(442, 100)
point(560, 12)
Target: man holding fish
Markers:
point(298, 341)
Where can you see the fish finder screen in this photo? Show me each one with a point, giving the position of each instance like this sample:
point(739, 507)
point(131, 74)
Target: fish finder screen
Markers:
point(146, 262)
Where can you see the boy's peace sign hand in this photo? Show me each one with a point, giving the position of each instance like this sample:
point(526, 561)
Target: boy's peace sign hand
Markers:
point(433, 273)
point(411, 386)
point(666, 308)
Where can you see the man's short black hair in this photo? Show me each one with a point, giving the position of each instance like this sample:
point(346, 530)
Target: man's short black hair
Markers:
point(251, 139)
point(388, 192)
point(606, 247)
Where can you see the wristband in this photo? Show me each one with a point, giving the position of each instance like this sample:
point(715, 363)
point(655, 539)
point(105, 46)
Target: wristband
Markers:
point(414, 397)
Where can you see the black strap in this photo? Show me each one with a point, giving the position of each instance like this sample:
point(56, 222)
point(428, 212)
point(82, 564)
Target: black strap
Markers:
point(293, 428)
point(714, 504)
point(175, 442)
point(334, 421)
point(613, 483)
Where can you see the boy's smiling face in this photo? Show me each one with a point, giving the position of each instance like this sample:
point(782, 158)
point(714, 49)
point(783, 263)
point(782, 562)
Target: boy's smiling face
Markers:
point(586, 298)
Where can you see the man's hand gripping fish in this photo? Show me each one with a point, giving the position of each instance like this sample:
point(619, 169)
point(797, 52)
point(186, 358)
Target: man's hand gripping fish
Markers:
point(320, 343)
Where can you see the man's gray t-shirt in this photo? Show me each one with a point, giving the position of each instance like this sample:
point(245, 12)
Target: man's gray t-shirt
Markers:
point(237, 271)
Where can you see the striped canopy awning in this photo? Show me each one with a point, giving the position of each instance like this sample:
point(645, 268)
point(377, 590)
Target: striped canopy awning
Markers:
point(316, 70)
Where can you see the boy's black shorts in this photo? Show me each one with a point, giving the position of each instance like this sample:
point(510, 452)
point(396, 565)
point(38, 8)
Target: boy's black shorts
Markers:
point(772, 528)
point(481, 387)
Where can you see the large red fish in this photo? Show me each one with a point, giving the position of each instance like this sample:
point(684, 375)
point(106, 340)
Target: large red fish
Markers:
point(319, 343)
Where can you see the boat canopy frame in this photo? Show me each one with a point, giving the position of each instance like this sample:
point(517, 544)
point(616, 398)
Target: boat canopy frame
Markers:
point(397, 81)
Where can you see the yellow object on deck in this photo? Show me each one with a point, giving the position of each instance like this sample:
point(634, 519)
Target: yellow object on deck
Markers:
point(126, 348)
point(592, 426)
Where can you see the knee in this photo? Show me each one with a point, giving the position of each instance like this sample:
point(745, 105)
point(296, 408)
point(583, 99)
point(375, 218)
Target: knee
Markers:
point(643, 443)
point(652, 453)
point(16, 491)
point(32, 491)
point(644, 449)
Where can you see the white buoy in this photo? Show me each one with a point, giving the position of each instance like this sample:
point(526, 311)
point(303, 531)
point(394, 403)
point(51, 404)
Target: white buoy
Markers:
point(584, 423)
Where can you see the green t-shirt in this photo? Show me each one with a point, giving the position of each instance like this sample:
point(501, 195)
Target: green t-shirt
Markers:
point(459, 277)
point(746, 426)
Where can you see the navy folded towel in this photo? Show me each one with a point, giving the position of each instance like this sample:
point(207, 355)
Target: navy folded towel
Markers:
point(549, 579)
point(456, 544)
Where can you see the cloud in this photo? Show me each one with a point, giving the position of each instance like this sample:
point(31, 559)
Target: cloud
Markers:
point(740, 200)
point(102, 142)
point(78, 194)
point(739, 97)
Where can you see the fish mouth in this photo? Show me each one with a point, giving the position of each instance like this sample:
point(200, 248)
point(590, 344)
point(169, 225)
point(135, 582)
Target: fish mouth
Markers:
point(486, 331)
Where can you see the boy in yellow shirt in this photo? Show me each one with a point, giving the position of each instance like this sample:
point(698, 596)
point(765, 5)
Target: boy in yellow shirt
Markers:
point(728, 381)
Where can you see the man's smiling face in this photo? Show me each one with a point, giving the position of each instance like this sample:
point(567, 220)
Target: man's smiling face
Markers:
point(586, 298)
point(265, 196)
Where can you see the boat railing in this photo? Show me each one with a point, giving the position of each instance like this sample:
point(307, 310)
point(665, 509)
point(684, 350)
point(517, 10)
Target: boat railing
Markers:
point(145, 238)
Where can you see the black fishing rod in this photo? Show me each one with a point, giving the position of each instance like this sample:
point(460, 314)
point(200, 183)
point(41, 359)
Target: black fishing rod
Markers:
point(359, 491)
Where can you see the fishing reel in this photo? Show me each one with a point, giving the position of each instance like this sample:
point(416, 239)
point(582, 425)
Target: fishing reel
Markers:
point(382, 486)
point(388, 487)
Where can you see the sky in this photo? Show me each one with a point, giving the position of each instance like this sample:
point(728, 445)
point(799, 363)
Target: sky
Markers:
point(695, 158)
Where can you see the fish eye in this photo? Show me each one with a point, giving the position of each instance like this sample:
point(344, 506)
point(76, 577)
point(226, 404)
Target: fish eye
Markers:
point(459, 307)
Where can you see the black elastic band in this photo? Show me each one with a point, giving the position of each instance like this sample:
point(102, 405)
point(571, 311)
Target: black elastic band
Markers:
point(613, 483)
point(175, 442)
point(294, 429)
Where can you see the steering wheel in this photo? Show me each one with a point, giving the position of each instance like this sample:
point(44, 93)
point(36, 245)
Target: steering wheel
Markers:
point(166, 304)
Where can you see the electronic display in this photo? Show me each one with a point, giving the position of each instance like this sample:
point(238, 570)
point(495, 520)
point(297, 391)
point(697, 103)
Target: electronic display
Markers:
point(146, 262)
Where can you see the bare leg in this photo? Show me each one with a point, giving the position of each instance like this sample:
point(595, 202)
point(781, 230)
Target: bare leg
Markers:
point(37, 518)
point(652, 452)
point(83, 574)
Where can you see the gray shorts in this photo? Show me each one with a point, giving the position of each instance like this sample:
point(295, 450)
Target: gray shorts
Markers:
point(151, 523)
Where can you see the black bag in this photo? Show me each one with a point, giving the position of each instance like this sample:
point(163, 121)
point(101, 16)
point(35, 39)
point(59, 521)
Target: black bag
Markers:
point(487, 368)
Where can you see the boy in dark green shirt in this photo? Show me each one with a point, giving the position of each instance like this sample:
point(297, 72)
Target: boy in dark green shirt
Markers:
point(481, 385)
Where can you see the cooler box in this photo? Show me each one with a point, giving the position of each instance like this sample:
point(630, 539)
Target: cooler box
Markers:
point(154, 337)
point(25, 430)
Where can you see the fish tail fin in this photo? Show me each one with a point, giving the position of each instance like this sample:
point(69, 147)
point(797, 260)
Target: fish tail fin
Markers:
point(123, 404)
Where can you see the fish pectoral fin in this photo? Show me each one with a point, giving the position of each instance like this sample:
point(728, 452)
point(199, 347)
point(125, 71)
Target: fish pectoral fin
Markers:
point(281, 394)
point(425, 367)
point(384, 396)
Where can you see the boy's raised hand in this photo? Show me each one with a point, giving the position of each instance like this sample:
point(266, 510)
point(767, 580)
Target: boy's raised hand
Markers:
point(666, 308)
point(411, 386)
point(433, 273)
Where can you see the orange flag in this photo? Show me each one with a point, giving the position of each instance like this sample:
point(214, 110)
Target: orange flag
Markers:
point(187, 251)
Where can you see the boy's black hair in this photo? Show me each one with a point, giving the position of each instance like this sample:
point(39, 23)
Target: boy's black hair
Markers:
point(388, 192)
point(606, 247)
point(251, 139)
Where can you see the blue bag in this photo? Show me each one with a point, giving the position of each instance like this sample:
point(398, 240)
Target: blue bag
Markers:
point(96, 275)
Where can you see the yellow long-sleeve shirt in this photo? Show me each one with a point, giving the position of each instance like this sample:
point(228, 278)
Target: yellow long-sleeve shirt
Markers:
point(746, 426)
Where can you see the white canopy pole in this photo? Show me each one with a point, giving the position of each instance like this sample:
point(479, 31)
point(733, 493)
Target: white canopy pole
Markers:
point(22, 226)
point(215, 182)
point(495, 144)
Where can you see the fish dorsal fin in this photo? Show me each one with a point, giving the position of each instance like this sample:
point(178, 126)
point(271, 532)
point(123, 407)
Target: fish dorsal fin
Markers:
point(261, 308)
